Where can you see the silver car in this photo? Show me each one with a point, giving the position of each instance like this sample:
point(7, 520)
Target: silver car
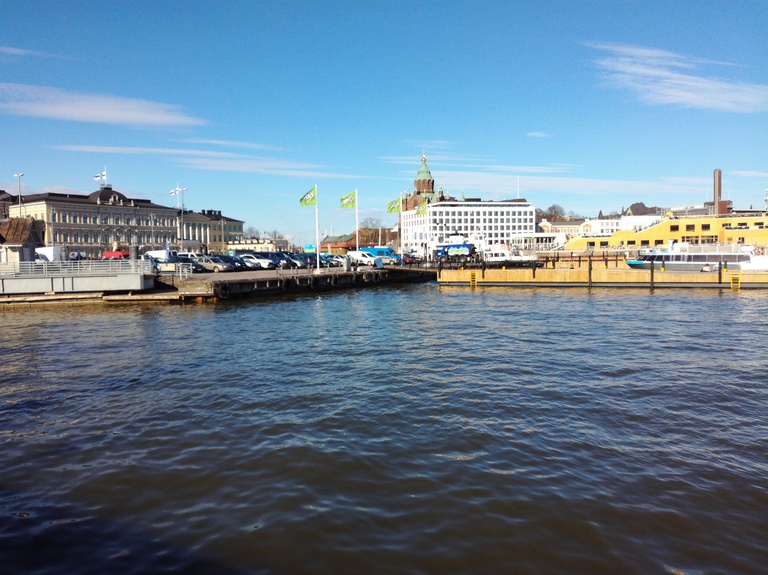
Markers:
point(214, 264)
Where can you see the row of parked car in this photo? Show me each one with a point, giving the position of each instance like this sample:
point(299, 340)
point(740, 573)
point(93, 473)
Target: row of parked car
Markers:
point(241, 262)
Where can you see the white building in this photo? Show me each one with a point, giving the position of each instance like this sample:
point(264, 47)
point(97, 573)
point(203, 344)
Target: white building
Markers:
point(509, 222)
point(430, 218)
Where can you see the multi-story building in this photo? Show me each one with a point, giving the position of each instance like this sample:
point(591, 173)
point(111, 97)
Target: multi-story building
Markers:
point(430, 218)
point(107, 220)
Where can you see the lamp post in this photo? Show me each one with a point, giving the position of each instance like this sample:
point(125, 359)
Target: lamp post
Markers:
point(19, 178)
point(53, 217)
point(175, 191)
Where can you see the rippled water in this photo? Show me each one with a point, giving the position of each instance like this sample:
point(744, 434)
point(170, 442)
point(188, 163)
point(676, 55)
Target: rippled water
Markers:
point(389, 430)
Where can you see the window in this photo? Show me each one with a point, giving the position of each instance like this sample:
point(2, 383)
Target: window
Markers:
point(690, 227)
point(674, 228)
point(704, 227)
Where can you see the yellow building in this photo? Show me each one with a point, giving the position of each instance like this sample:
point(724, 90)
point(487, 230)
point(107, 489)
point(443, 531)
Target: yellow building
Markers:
point(751, 229)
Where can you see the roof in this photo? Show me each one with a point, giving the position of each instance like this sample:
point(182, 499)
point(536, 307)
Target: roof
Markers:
point(15, 231)
point(337, 239)
point(424, 173)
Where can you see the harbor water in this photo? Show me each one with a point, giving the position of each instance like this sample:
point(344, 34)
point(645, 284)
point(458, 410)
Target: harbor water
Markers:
point(399, 429)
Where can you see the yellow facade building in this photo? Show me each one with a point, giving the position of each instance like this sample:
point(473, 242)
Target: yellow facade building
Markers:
point(751, 228)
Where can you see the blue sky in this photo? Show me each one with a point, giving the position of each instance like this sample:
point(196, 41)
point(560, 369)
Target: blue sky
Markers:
point(592, 105)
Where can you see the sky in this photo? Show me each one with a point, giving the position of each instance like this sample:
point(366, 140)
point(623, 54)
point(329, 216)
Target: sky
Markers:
point(592, 105)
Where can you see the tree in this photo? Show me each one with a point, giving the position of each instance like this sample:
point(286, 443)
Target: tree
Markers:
point(251, 233)
point(274, 235)
point(369, 231)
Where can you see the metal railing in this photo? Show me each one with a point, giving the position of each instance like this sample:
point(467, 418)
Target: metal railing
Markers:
point(76, 268)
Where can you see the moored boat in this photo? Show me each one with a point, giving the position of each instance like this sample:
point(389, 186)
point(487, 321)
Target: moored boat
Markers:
point(681, 256)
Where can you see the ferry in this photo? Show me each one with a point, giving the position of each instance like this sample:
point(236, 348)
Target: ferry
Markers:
point(681, 256)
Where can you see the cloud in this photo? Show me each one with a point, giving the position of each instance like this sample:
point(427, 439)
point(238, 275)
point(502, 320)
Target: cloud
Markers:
point(22, 53)
point(218, 161)
point(749, 174)
point(58, 104)
point(538, 135)
point(498, 186)
point(131, 150)
point(232, 144)
point(10, 51)
point(660, 77)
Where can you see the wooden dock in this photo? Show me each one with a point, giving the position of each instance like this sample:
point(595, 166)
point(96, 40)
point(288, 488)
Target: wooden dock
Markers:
point(601, 277)
point(224, 286)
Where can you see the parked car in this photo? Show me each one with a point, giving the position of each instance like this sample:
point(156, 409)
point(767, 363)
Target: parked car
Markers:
point(281, 260)
point(288, 261)
point(214, 264)
point(196, 267)
point(259, 261)
point(236, 263)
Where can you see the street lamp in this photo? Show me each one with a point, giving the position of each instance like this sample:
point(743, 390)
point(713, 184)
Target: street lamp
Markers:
point(176, 191)
point(19, 177)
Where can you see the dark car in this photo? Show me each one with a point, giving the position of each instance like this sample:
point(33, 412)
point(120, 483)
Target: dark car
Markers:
point(235, 262)
point(196, 267)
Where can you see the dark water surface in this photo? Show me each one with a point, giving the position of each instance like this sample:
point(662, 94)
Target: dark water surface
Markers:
point(387, 430)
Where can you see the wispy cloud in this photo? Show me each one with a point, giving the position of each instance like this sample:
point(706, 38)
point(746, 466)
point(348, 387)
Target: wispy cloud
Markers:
point(215, 160)
point(749, 174)
point(232, 144)
point(10, 51)
point(134, 150)
point(496, 186)
point(660, 77)
point(538, 135)
point(58, 104)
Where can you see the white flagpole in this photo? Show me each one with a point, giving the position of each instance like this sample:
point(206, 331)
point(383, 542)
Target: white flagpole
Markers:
point(357, 226)
point(105, 174)
point(317, 234)
point(400, 224)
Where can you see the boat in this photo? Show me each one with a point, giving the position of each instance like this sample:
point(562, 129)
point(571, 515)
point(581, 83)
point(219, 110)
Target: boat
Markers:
point(682, 256)
point(503, 255)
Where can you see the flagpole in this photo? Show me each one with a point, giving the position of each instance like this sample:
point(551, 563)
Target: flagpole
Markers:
point(357, 226)
point(400, 225)
point(105, 174)
point(317, 234)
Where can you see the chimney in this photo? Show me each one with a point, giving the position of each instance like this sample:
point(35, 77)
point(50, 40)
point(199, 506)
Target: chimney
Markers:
point(718, 190)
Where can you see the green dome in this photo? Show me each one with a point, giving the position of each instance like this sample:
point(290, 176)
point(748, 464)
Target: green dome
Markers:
point(424, 173)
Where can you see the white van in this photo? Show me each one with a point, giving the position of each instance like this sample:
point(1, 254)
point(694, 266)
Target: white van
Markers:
point(365, 259)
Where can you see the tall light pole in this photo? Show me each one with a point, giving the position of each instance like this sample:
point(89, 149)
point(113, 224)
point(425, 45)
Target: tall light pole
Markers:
point(19, 178)
point(175, 192)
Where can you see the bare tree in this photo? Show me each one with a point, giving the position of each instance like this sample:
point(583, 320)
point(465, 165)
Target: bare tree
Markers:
point(369, 231)
point(251, 233)
point(553, 213)
point(274, 235)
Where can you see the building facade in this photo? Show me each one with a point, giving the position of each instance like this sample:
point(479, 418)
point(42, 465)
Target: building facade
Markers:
point(429, 218)
point(105, 220)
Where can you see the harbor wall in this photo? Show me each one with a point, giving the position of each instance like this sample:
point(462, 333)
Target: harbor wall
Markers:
point(600, 277)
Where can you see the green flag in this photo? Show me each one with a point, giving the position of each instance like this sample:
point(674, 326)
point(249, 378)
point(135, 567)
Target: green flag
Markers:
point(350, 200)
point(393, 206)
point(422, 209)
point(310, 198)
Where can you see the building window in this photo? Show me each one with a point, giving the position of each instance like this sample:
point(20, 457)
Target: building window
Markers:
point(690, 227)
point(704, 227)
point(674, 228)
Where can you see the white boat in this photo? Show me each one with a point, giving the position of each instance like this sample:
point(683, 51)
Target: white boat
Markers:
point(681, 256)
point(498, 254)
